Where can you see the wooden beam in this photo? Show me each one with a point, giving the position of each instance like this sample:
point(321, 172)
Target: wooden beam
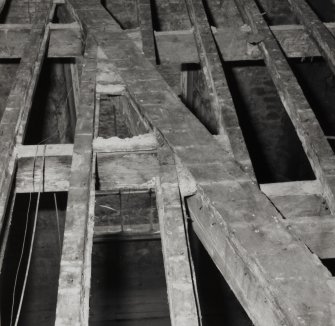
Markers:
point(53, 172)
point(178, 273)
point(19, 102)
point(236, 44)
point(65, 40)
point(303, 118)
point(31, 151)
point(240, 228)
point(317, 232)
point(72, 302)
point(221, 118)
point(320, 34)
point(146, 28)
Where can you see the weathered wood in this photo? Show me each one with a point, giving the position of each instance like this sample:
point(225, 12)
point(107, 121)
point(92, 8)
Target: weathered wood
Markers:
point(298, 188)
point(295, 199)
point(221, 118)
point(236, 44)
point(178, 274)
point(31, 151)
point(176, 47)
point(303, 118)
point(129, 170)
point(65, 40)
point(146, 28)
point(322, 36)
point(239, 227)
point(72, 301)
point(54, 174)
point(20, 100)
point(317, 232)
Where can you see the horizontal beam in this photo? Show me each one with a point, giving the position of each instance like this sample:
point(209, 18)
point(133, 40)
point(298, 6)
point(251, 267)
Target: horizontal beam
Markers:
point(236, 44)
point(317, 232)
point(65, 40)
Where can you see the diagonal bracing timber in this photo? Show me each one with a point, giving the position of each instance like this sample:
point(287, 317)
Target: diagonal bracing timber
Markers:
point(303, 118)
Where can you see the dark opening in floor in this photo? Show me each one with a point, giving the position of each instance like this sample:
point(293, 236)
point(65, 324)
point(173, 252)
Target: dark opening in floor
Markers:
point(325, 9)
point(196, 97)
point(126, 213)
point(53, 118)
point(277, 12)
point(40, 296)
point(112, 120)
point(8, 68)
point(329, 264)
point(275, 150)
point(318, 84)
point(218, 304)
point(128, 284)
point(119, 118)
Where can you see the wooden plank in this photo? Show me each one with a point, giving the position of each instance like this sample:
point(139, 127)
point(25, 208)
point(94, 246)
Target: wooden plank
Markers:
point(129, 170)
point(303, 118)
point(19, 102)
point(321, 36)
point(31, 151)
point(53, 175)
point(178, 273)
point(239, 227)
point(65, 40)
point(317, 232)
point(72, 301)
point(295, 199)
point(299, 188)
point(176, 47)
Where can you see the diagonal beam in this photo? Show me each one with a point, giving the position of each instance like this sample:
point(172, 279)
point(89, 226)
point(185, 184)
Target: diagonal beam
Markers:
point(321, 35)
point(303, 118)
point(239, 227)
point(222, 119)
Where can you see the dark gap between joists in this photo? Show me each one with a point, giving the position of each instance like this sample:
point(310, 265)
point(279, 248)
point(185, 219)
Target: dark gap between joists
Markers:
point(196, 97)
point(40, 298)
point(112, 118)
point(128, 284)
point(276, 12)
point(329, 264)
point(62, 15)
point(52, 119)
point(209, 13)
point(275, 150)
point(8, 68)
point(318, 84)
point(325, 9)
point(218, 304)
point(125, 214)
